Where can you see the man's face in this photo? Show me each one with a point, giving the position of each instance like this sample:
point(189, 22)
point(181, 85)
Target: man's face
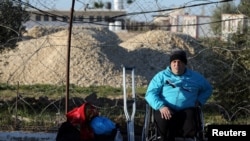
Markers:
point(177, 67)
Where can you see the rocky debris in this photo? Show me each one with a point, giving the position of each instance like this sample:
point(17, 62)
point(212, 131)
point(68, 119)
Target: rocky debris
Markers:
point(96, 57)
point(39, 31)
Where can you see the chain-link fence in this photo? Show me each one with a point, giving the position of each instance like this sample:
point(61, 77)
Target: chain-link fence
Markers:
point(141, 34)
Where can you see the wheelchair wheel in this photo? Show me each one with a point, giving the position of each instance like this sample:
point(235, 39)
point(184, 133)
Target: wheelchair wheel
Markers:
point(149, 132)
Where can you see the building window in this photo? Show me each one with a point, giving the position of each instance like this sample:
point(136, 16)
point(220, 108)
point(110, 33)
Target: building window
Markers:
point(229, 26)
point(99, 18)
point(80, 18)
point(53, 18)
point(223, 25)
point(46, 17)
point(38, 17)
point(194, 24)
point(106, 19)
point(240, 27)
point(91, 18)
point(233, 26)
point(65, 19)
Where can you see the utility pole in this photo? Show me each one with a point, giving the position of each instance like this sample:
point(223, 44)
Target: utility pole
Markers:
point(68, 58)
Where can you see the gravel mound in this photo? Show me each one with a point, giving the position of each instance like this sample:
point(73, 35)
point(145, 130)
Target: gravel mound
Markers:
point(96, 57)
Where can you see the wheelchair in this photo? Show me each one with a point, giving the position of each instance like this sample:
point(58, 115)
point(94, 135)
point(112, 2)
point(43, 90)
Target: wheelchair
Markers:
point(149, 131)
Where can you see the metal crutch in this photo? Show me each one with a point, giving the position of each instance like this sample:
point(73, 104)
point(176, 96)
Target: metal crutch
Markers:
point(130, 119)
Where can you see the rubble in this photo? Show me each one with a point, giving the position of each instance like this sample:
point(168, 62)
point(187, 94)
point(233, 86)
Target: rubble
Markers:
point(96, 57)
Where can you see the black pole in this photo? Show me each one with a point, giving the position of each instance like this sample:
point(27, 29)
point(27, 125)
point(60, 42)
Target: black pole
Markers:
point(68, 58)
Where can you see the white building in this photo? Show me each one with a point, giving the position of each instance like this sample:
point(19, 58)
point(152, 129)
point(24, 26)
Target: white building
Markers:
point(104, 17)
point(176, 23)
point(232, 23)
point(176, 20)
point(169, 20)
point(197, 26)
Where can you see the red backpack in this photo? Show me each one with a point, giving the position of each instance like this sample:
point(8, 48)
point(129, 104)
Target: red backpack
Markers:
point(81, 117)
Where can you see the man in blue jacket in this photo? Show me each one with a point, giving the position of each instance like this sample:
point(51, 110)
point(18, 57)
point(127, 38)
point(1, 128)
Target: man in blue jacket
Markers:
point(174, 93)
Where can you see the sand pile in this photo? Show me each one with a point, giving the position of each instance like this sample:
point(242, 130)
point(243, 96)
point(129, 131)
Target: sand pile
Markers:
point(97, 55)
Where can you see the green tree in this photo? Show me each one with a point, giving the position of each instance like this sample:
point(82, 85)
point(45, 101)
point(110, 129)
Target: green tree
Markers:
point(98, 4)
point(12, 15)
point(225, 8)
point(231, 87)
point(130, 1)
point(244, 7)
point(241, 38)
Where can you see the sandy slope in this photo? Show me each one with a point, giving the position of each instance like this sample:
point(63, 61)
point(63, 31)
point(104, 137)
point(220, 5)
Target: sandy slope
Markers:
point(96, 56)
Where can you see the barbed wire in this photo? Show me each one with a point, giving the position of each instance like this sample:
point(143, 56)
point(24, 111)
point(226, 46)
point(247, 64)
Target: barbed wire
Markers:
point(30, 61)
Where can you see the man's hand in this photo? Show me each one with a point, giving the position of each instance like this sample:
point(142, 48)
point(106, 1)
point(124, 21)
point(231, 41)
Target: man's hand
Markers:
point(166, 113)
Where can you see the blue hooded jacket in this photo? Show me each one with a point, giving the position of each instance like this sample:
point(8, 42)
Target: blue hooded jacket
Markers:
point(177, 91)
